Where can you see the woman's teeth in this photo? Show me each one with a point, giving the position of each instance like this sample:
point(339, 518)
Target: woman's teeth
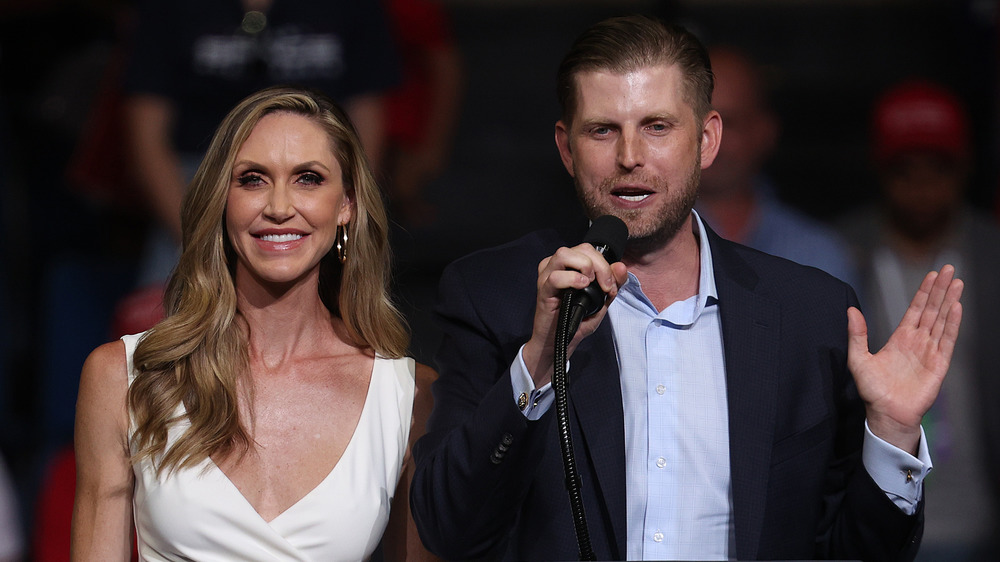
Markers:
point(280, 237)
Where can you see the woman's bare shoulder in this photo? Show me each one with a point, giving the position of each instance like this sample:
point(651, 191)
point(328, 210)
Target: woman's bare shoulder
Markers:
point(111, 354)
point(104, 374)
point(107, 362)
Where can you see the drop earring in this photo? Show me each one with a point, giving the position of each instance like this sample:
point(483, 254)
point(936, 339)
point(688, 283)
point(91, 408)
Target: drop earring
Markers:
point(341, 244)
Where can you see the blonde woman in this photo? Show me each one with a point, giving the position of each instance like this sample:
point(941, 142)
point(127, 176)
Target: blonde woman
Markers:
point(270, 415)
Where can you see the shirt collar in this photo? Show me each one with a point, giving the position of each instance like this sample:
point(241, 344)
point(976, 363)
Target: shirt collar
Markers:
point(707, 293)
point(683, 312)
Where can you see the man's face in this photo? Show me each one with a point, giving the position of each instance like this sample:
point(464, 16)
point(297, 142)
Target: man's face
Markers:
point(635, 149)
point(923, 190)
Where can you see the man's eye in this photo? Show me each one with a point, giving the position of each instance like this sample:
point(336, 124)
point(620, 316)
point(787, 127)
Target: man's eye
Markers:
point(601, 131)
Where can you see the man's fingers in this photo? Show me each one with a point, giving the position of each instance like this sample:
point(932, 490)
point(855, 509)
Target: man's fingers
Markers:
point(543, 264)
point(947, 313)
point(918, 304)
point(620, 274)
point(857, 335)
point(583, 263)
point(946, 344)
point(935, 308)
point(567, 279)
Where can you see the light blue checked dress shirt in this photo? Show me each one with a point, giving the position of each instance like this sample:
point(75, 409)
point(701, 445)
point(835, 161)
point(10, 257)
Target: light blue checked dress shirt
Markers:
point(672, 372)
point(673, 381)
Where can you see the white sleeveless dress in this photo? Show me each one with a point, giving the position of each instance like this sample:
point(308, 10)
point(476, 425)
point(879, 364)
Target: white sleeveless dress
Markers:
point(199, 514)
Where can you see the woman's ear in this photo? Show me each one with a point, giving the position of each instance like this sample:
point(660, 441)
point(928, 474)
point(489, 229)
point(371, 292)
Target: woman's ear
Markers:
point(348, 208)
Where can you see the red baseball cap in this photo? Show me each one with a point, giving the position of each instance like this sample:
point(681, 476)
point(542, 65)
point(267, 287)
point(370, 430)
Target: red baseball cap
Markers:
point(919, 116)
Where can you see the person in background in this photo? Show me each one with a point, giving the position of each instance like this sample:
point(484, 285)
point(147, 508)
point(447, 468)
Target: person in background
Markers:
point(270, 414)
point(421, 114)
point(737, 198)
point(191, 61)
point(921, 152)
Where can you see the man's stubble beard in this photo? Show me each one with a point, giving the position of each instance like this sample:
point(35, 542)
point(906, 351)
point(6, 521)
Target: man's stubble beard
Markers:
point(654, 232)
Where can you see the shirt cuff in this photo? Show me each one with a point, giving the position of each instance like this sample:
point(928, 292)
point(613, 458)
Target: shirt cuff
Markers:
point(533, 402)
point(899, 474)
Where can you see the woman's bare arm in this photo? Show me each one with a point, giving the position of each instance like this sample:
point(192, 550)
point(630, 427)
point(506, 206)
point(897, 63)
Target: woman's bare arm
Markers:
point(401, 541)
point(102, 511)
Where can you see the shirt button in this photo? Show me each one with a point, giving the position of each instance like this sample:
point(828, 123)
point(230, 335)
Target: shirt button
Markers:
point(660, 389)
point(661, 462)
point(658, 536)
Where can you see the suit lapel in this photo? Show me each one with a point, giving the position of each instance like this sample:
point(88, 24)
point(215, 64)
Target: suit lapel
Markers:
point(596, 402)
point(751, 335)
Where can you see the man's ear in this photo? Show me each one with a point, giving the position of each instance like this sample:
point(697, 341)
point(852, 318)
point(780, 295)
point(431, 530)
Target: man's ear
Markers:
point(711, 138)
point(562, 143)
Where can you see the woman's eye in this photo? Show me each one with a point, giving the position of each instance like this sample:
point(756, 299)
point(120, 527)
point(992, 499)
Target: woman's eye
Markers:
point(311, 178)
point(249, 180)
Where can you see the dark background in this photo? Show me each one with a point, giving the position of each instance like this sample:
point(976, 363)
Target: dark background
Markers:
point(68, 255)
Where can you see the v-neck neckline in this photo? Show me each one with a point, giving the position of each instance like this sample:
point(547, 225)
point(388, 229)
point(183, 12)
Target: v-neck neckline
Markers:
point(345, 455)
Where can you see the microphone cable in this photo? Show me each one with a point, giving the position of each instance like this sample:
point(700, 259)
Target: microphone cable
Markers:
point(568, 322)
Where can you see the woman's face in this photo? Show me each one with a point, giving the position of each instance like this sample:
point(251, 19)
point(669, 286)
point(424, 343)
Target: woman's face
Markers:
point(286, 198)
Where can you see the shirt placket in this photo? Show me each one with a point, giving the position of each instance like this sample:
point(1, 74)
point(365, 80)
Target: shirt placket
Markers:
point(661, 395)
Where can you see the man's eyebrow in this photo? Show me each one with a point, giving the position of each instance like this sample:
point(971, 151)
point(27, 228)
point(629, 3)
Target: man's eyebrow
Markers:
point(666, 116)
point(596, 121)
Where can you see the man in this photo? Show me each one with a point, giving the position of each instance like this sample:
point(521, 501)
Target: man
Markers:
point(713, 412)
point(922, 153)
point(736, 197)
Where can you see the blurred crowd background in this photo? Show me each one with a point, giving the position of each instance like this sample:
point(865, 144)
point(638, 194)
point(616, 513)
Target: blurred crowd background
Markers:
point(74, 223)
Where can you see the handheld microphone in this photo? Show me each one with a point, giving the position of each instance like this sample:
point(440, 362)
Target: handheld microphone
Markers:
point(608, 235)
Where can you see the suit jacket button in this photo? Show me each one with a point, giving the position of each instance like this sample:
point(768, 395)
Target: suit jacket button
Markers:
point(507, 439)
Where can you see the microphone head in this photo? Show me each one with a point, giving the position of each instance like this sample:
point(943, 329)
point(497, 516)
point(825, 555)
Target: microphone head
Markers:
point(611, 233)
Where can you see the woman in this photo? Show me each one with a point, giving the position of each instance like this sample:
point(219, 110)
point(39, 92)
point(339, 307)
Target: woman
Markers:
point(269, 415)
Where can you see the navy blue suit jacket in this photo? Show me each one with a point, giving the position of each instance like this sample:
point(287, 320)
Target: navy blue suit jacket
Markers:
point(490, 484)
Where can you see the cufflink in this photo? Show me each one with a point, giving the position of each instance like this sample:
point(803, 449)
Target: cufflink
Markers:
point(522, 401)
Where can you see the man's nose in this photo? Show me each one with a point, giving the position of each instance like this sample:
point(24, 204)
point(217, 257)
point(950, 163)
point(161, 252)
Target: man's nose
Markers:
point(631, 150)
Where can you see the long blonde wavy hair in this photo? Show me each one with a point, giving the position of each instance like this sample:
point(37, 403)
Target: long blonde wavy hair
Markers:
point(197, 356)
